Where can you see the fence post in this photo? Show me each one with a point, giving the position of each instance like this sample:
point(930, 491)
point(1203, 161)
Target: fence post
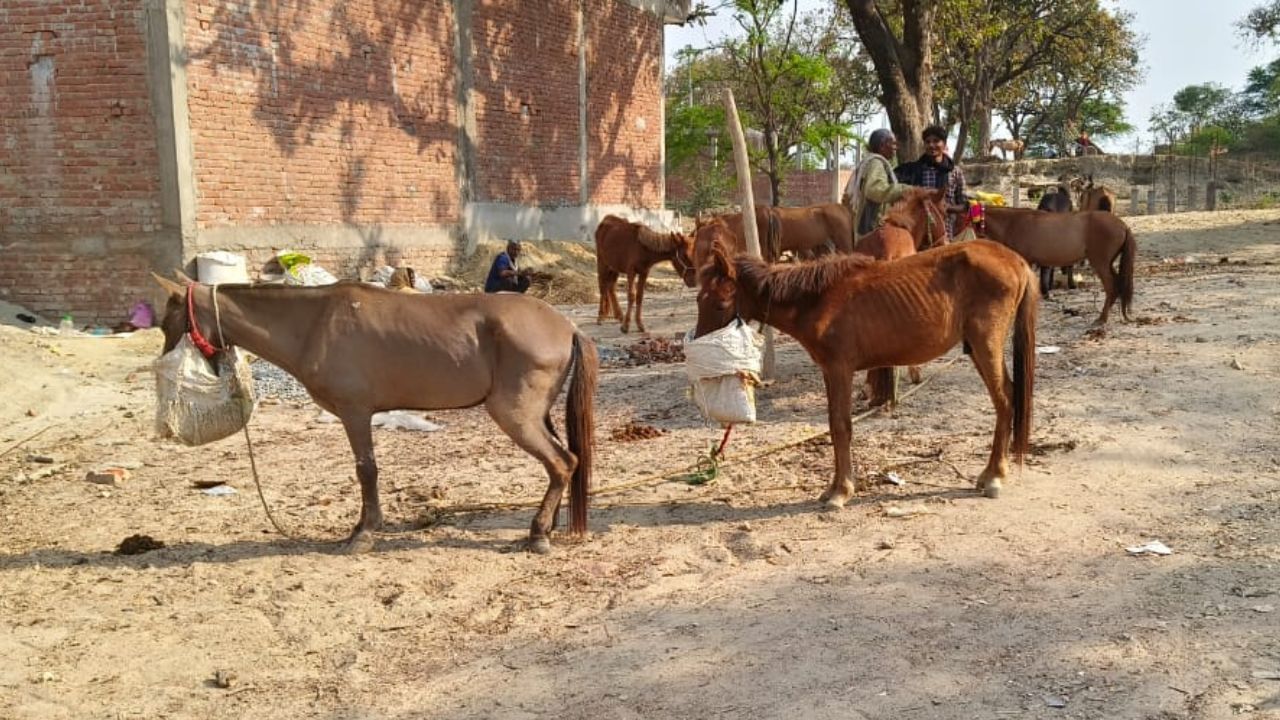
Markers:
point(1173, 198)
point(1191, 198)
point(1151, 200)
point(1211, 195)
point(1133, 201)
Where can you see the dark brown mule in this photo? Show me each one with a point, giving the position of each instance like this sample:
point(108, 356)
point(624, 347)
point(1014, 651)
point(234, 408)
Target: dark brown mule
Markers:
point(914, 223)
point(1061, 239)
point(1097, 197)
point(853, 313)
point(1058, 200)
point(767, 231)
point(360, 349)
point(631, 249)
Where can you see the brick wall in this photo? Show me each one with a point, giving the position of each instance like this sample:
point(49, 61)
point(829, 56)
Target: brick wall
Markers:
point(80, 208)
point(525, 98)
point(306, 117)
point(624, 105)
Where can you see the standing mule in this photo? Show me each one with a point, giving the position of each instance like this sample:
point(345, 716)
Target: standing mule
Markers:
point(360, 349)
point(1061, 239)
point(914, 223)
point(631, 249)
point(853, 313)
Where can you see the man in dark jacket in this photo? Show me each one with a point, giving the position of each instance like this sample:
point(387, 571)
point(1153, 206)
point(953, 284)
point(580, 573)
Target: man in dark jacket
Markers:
point(504, 273)
point(936, 169)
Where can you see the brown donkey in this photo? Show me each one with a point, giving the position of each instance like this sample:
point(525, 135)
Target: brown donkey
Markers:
point(1061, 239)
point(853, 313)
point(631, 249)
point(360, 349)
point(914, 223)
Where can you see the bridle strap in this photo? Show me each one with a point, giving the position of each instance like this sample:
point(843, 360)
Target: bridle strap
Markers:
point(198, 339)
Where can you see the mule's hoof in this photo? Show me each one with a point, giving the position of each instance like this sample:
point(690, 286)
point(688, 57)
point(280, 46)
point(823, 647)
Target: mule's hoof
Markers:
point(358, 543)
point(991, 489)
point(539, 546)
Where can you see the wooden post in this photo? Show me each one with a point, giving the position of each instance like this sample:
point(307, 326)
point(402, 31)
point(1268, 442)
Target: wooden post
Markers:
point(748, 206)
point(835, 170)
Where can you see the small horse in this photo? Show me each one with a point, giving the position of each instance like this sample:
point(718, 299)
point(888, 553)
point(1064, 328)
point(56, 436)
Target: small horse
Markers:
point(1097, 197)
point(1014, 146)
point(360, 349)
point(914, 223)
point(1058, 200)
point(1061, 239)
point(632, 249)
point(854, 313)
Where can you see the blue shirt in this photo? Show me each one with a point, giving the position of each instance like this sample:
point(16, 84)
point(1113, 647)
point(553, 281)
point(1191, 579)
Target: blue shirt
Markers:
point(495, 282)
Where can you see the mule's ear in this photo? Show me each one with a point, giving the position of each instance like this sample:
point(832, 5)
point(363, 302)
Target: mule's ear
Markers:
point(174, 289)
point(183, 277)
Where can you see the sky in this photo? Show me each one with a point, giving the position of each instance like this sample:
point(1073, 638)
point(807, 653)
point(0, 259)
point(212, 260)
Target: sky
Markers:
point(1188, 42)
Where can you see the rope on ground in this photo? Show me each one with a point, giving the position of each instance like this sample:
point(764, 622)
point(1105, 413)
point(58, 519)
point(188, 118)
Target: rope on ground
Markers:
point(698, 467)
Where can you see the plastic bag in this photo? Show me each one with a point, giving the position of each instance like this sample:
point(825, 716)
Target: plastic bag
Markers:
point(724, 368)
point(308, 275)
point(194, 403)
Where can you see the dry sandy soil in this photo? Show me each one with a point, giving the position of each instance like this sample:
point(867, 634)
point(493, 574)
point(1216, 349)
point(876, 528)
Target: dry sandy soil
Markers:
point(740, 598)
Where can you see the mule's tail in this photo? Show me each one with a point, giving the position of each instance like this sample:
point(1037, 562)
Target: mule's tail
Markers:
point(772, 249)
point(1124, 279)
point(1024, 366)
point(579, 420)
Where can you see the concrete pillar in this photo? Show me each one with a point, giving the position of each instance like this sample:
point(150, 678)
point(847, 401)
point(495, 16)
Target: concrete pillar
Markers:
point(1191, 198)
point(1133, 201)
point(1211, 195)
point(1173, 198)
point(1151, 200)
point(1016, 199)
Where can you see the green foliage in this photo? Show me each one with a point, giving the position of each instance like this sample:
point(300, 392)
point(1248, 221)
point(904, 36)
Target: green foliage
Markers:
point(689, 131)
point(1262, 22)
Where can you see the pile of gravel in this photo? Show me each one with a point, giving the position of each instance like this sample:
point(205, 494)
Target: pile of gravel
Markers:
point(269, 381)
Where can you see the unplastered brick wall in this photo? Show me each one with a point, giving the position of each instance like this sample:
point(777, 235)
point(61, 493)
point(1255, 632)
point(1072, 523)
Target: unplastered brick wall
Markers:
point(624, 105)
point(80, 208)
point(323, 113)
point(525, 98)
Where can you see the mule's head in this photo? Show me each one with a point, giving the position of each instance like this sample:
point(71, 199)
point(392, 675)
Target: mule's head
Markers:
point(935, 217)
point(174, 319)
point(718, 291)
point(683, 261)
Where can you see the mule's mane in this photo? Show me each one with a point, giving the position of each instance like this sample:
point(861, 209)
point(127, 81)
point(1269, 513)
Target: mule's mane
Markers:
point(656, 241)
point(795, 283)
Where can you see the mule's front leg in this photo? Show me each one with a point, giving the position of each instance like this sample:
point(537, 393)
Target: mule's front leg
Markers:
point(360, 435)
point(641, 280)
point(631, 299)
point(839, 404)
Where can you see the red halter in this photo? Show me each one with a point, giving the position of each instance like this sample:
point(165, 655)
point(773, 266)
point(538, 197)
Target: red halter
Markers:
point(198, 339)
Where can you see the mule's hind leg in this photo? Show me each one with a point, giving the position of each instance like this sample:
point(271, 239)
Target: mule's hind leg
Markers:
point(988, 358)
point(360, 435)
point(521, 412)
point(1102, 267)
point(608, 297)
point(631, 300)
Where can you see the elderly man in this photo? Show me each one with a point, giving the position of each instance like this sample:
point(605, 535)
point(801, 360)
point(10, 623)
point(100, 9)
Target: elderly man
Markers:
point(873, 186)
point(504, 273)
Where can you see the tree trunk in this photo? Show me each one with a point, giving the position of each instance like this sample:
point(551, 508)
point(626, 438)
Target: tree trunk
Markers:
point(903, 65)
point(748, 209)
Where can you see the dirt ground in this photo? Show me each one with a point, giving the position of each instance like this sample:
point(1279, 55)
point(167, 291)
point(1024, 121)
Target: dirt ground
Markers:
point(738, 598)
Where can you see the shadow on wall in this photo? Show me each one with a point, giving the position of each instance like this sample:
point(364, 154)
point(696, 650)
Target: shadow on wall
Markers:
point(322, 74)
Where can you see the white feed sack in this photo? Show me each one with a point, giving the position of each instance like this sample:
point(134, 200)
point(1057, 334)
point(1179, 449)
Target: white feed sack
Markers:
point(724, 368)
point(194, 403)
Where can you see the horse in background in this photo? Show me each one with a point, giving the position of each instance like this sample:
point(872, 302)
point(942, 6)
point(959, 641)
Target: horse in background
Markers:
point(1097, 197)
point(916, 222)
point(360, 349)
point(853, 313)
point(1014, 146)
point(1061, 239)
point(631, 249)
point(1058, 200)
point(805, 231)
